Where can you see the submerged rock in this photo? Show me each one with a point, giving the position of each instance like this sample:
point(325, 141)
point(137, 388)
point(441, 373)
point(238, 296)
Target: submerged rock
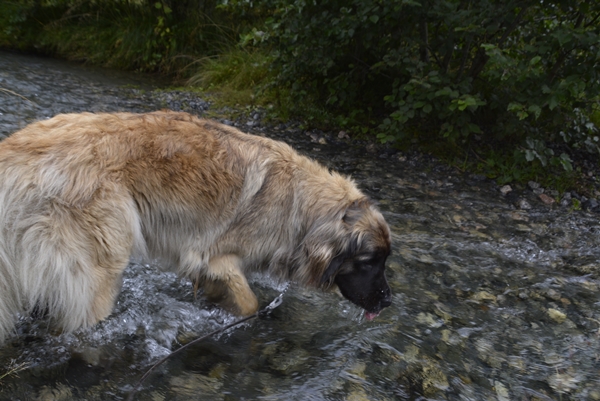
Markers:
point(556, 315)
point(189, 385)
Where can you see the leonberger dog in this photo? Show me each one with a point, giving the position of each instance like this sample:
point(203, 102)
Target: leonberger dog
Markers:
point(81, 194)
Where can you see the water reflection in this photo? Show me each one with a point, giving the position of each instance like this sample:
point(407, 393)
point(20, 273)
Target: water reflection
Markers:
point(490, 302)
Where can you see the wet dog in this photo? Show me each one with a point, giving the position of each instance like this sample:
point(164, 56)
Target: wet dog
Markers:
point(80, 194)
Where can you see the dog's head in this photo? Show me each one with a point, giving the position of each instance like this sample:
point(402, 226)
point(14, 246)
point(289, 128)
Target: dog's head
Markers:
point(358, 269)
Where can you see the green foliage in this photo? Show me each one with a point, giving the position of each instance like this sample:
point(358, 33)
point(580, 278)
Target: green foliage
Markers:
point(517, 73)
point(506, 168)
point(235, 75)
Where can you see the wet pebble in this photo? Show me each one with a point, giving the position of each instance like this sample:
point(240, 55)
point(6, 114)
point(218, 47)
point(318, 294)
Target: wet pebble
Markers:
point(60, 392)
point(434, 380)
point(429, 319)
point(288, 362)
point(556, 315)
point(505, 189)
point(523, 204)
point(501, 391)
point(189, 385)
point(590, 204)
point(483, 296)
point(564, 382)
point(548, 200)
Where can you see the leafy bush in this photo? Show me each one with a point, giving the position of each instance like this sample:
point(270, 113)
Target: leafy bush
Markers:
point(522, 73)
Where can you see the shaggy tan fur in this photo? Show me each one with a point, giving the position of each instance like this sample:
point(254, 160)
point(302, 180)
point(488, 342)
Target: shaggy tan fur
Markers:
point(82, 193)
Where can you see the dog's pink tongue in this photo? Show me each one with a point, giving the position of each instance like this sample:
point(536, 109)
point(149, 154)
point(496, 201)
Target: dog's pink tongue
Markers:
point(371, 315)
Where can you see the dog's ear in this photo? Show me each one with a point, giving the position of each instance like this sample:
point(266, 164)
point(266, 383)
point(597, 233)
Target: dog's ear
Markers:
point(336, 263)
point(355, 211)
point(347, 242)
point(351, 216)
point(332, 269)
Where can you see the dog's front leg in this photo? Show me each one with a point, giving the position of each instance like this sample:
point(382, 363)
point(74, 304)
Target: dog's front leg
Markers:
point(225, 284)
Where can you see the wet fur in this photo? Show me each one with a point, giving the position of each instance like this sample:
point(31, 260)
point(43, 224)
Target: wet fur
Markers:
point(80, 194)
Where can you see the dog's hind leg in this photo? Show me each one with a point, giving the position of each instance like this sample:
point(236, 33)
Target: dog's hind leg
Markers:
point(225, 284)
point(76, 256)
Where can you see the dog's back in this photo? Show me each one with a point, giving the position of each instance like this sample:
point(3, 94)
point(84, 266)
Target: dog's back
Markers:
point(81, 193)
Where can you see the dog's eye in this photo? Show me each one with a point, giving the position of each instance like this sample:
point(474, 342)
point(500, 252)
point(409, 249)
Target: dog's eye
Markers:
point(365, 265)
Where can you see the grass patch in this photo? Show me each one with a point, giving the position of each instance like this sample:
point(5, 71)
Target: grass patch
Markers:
point(246, 77)
point(236, 77)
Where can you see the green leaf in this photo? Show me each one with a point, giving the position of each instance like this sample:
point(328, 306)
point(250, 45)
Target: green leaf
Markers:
point(536, 110)
point(529, 155)
point(535, 60)
point(443, 92)
point(514, 106)
point(374, 18)
point(474, 128)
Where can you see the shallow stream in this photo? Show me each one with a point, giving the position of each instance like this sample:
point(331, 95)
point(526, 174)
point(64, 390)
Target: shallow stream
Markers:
point(491, 301)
